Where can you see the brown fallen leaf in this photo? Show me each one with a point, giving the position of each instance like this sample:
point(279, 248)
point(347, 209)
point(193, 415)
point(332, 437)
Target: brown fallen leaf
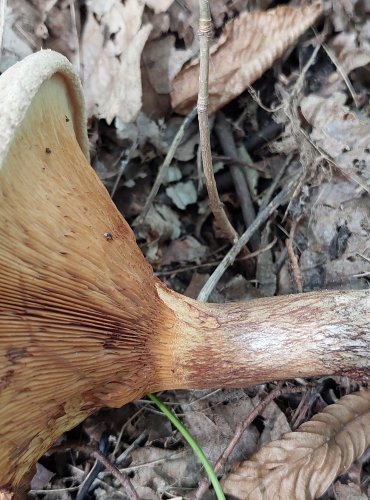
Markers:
point(187, 249)
point(247, 47)
point(303, 464)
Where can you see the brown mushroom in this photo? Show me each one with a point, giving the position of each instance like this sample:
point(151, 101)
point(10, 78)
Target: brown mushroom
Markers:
point(84, 323)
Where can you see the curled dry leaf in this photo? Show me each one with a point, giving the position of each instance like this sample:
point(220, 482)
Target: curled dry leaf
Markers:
point(303, 464)
point(112, 42)
point(111, 47)
point(247, 47)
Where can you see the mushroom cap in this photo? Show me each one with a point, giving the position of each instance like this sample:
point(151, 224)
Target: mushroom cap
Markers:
point(21, 82)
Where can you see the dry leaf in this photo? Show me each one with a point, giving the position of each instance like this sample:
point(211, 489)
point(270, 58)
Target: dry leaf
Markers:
point(212, 420)
point(111, 47)
point(19, 38)
point(159, 5)
point(174, 468)
point(351, 49)
point(337, 233)
point(182, 194)
point(156, 58)
point(303, 464)
point(349, 491)
point(248, 46)
point(186, 249)
point(341, 133)
point(41, 478)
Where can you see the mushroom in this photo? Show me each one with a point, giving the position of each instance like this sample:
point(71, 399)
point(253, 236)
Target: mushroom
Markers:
point(84, 323)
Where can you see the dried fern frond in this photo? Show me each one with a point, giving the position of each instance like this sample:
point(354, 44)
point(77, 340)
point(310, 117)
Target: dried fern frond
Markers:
point(303, 464)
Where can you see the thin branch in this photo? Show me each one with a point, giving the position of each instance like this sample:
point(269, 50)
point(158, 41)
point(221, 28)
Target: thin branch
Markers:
point(225, 136)
point(121, 477)
point(240, 428)
point(275, 182)
point(123, 165)
point(75, 35)
point(94, 471)
point(205, 31)
point(337, 64)
point(2, 22)
point(230, 257)
point(166, 163)
point(296, 272)
point(255, 96)
point(132, 447)
point(123, 428)
point(216, 262)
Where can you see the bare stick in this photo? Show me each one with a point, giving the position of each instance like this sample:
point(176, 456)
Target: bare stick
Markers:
point(230, 257)
point(75, 35)
point(121, 477)
point(296, 272)
point(163, 168)
point(240, 428)
point(205, 30)
point(225, 136)
point(2, 22)
point(173, 272)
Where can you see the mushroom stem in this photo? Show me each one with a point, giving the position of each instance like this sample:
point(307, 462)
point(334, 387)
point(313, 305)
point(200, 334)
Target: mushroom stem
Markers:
point(244, 344)
point(84, 323)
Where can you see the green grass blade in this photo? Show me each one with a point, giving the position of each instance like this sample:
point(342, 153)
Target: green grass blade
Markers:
point(192, 443)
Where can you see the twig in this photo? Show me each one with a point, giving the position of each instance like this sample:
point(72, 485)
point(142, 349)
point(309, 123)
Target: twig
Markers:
point(275, 182)
point(121, 477)
point(342, 73)
point(263, 136)
point(123, 165)
point(124, 426)
point(304, 405)
point(133, 468)
point(216, 262)
point(337, 64)
point(166, 163)
point(2, 22)
point(229, 258)
point(225, 136)
point(96, 468)
point(240, 428)
point(132, 447)
point(199, 169)
point(296, 273)
point(58, 491)
point(75, 35)
point(205, 30)
point(255, 96)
